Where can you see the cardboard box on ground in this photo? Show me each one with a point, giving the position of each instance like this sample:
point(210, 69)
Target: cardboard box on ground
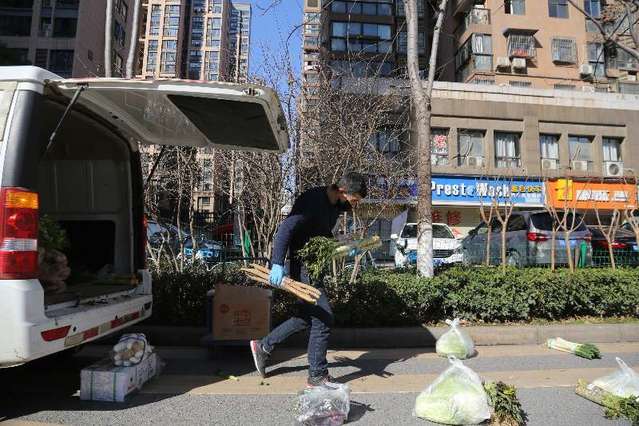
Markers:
point(103, 381)
point(241, 313)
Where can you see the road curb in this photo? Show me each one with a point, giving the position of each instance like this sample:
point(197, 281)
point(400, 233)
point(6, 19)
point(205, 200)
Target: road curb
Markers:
point(413, 337)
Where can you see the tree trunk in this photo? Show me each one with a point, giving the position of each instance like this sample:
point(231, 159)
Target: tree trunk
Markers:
point(612, 256)
point(503, 246)
point(108, 37)
point(488, 236)
point(422, 114)
point(135, 26)
point(571, 264)
point(553, 240)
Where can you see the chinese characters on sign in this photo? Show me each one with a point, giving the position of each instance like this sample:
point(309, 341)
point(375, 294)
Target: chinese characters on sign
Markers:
point(565, 193)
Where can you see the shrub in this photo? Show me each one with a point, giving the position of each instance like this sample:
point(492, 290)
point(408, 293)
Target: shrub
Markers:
point(401, 298)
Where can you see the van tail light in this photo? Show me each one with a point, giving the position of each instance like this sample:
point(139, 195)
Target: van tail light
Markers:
point(18, 234)
point(536, 237)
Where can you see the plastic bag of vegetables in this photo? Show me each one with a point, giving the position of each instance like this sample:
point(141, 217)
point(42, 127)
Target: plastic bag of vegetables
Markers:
point(324, 405)
point(131, 349)
point(455, 342)
point(622, 383)
point(456, 397)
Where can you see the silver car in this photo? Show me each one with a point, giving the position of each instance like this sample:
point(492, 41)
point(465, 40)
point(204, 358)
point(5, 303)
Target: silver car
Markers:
point(529, 241)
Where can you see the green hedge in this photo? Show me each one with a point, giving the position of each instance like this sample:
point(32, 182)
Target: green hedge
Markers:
point(388, 298)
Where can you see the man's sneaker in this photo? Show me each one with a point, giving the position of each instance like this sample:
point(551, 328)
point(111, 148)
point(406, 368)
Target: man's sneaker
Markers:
point(259, 356)
point(326, 381)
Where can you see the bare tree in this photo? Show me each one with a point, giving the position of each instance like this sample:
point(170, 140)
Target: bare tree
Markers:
point(421, 102)
point(609, 231)
point(108, 39)
point(617, 25)
point(552, 212)
point(504, 210)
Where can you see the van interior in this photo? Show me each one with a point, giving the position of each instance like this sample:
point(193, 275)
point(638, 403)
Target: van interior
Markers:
point(85, 184)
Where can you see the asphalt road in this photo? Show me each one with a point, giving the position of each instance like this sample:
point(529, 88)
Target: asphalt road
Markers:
point(195, 389)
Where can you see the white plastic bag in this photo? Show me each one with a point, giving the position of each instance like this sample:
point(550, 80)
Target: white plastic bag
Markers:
point(130, 350)
point(623, 382)
point(455, 342)
point(456, 397)
point(324, 405)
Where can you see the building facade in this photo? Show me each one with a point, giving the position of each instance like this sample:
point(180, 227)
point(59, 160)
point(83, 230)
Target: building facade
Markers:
point(532, 43)
point(66, 36)
point(205, 40)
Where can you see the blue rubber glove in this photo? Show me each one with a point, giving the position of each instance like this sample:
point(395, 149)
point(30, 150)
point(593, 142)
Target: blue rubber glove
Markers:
point(276, 276)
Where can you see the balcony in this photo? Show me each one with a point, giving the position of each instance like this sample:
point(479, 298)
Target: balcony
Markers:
point(475, 16)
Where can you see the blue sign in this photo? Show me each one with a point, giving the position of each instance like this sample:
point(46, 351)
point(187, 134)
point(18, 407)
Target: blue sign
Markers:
point(473, 191)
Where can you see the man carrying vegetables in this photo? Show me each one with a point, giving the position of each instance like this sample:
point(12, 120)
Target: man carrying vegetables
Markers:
point(314, 214)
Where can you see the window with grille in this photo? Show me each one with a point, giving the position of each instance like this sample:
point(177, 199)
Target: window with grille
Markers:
point(521, 46)
point(520, 83)
point(471, 144)
point(156, 13)
point(580, 148)
point(549, 146)
point(564, 50)
point(439, 147)
point(507, 150)
point(168, 56)
point(560, 86)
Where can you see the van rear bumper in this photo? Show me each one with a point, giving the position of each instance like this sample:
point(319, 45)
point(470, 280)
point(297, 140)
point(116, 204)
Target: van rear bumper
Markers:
point(24, 339)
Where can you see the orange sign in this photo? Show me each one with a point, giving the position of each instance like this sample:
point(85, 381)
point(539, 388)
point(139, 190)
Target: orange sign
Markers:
point(566, 193)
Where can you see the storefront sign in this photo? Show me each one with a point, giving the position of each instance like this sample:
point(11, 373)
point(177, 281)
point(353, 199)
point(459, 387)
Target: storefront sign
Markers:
point(566, 193)
point(471, 191)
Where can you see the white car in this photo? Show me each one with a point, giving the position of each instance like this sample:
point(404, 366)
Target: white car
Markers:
point(446, 248)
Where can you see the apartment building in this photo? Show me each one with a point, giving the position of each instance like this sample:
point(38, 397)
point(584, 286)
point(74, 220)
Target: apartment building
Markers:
point(533, 43)
point(199, 40)
point(357, 39)
point(66, 36)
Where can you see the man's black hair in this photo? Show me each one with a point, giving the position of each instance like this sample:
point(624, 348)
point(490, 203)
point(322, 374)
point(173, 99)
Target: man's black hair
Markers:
point(354, 183)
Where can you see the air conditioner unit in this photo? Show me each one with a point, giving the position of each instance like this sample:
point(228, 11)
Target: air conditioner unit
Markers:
point(613, 168)
point(503, 62)
point(580, 165)
point(549, 164)
point(519, 63)
point(631, 77)
point(588, 89)
point(586, 70)
point(474, 161)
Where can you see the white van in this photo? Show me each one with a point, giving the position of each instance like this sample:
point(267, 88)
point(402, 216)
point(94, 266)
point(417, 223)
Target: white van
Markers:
point(69, 149)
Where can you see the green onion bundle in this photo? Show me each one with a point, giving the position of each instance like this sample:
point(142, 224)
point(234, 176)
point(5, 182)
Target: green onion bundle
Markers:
point(584, 350)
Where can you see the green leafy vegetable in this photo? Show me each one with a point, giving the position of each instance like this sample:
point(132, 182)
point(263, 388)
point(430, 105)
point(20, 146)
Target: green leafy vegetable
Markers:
point(506, 405)
point(622, 407)
point(50, 235)
point(317, 255)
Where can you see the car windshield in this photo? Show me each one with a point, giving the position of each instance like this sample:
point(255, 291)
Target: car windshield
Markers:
point(544, 221)
point(439, 231)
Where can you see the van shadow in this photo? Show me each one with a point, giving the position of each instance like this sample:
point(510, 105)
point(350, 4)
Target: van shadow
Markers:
point(53, 383)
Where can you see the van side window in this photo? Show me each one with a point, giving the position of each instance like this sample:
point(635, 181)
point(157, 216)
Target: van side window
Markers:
point(516, 223)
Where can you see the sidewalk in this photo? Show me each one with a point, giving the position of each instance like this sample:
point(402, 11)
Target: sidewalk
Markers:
point(416, 337)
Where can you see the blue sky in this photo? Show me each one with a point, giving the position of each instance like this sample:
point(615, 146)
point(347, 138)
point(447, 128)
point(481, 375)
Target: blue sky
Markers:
point(271, 28)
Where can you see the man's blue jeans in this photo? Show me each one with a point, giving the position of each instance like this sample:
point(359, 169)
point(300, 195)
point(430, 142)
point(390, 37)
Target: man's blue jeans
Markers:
point(320, 318)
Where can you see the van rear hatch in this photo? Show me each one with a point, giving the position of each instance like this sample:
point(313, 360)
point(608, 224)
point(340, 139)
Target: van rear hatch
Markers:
point(185, 113)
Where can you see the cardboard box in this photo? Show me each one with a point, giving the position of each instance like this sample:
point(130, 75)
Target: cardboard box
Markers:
point(103, 381)
point(241, 313)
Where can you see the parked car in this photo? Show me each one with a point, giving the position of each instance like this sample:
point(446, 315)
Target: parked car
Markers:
point(209, 251)
point(623, 244)
point(528, 241)
point(445, 245)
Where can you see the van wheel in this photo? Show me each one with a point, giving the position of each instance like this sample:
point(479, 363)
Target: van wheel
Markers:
point(514, 259)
